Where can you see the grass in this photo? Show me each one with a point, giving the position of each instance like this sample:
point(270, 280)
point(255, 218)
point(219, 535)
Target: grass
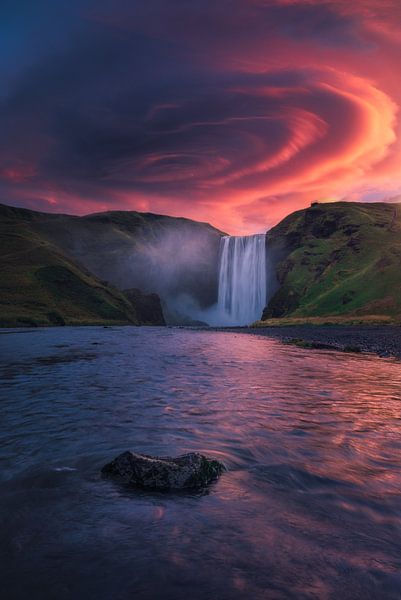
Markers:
point(341, 260)
point(337, 264)
point(329, 320)
point(39, 285)
point(311, 345)
point(125, 249)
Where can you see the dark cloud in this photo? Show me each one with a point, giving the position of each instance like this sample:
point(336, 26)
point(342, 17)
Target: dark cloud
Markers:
point(196, 103)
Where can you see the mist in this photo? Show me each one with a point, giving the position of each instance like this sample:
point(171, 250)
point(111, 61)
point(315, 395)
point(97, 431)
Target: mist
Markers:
point(176, 258)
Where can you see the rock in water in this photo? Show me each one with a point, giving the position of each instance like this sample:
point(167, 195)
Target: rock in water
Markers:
point(191, 470)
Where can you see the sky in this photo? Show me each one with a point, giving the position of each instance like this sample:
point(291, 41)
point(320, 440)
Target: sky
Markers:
point(234, 112)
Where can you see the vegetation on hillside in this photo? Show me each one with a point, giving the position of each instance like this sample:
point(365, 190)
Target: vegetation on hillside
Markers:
point(341, 259)
point(334, 263)
point(59, 269)
point(41, 286)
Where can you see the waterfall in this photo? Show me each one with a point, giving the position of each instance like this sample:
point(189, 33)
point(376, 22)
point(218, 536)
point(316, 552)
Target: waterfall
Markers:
point(242, 279)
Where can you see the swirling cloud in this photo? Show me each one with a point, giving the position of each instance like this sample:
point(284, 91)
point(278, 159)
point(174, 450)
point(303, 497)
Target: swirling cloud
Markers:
point(235, 114)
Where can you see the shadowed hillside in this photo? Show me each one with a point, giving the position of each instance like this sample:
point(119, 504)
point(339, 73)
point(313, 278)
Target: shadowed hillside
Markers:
point(40, 286)
point(337, 259)
point(60, 268)
point(155, 253)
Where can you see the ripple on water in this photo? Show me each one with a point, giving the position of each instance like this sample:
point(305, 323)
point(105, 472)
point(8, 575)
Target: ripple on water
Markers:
point(309, 507)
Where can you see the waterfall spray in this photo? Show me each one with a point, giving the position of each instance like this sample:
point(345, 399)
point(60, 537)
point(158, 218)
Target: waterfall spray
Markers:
point(242, 279)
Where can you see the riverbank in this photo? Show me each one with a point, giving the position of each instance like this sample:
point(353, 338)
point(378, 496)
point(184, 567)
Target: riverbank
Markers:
point(384, 340)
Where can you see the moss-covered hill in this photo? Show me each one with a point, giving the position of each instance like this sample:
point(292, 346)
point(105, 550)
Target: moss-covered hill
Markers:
point(39, 285)
point(155, 253)
point(337, 259)
point(58, 269)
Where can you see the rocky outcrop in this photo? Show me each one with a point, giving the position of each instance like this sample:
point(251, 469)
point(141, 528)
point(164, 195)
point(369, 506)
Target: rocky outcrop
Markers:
point(187, 471)
point(148, 307)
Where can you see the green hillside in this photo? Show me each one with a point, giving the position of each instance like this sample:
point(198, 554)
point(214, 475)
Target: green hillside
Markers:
point(41, 286)
point(171, 256)
point(59, 268)
point(340, 260)
point(337, 259)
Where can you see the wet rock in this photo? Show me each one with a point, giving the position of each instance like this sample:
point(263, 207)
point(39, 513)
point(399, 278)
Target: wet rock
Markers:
point(192, 470)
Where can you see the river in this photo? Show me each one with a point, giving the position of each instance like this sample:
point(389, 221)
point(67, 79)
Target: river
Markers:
point(310, 506)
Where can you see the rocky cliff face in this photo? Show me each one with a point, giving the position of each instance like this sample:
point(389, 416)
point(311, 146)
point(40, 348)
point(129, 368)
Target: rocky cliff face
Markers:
point(337, 259)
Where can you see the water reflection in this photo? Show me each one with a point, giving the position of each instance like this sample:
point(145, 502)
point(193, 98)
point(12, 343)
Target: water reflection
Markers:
point(310, 507)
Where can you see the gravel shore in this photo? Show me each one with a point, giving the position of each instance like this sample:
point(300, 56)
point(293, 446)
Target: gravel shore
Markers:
point(384, 340)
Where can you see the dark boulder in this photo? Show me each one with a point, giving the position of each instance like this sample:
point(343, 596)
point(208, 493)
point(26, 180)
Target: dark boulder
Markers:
point(148, 307)
point(187, 471)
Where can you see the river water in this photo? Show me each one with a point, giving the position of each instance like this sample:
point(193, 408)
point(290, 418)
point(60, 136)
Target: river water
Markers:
point(310, 506)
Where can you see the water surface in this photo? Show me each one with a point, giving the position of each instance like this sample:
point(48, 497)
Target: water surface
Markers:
point(309, 508)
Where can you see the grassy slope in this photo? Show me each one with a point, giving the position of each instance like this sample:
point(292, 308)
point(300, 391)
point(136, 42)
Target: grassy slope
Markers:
point(146, 251)
point(341, 259)
point(41, 286)
point(155, 253)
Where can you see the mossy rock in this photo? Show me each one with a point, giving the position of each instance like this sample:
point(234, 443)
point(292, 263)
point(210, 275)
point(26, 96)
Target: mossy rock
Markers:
point(188, 471)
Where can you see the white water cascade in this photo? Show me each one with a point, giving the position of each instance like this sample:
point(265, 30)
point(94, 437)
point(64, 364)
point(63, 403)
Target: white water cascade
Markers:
point(242, 279)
